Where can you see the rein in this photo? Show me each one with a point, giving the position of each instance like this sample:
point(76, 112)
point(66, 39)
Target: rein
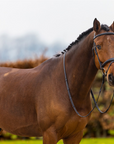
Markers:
point(111, 60)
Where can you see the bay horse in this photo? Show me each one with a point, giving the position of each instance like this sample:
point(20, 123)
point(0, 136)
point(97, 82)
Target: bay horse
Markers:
point(35, 102)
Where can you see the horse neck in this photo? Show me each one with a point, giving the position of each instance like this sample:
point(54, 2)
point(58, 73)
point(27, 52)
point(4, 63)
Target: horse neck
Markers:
point(80, 68)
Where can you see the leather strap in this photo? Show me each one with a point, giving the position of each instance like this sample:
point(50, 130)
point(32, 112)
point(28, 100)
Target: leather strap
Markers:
point(107, 33)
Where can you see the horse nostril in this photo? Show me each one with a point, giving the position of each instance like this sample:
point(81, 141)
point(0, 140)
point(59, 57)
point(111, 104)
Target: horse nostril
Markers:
point(111, 79)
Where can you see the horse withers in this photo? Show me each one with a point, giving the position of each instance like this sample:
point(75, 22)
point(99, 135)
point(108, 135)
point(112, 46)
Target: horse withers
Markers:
point(35, 102)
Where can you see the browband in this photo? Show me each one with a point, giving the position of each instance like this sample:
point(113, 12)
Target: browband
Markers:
point(106, 33)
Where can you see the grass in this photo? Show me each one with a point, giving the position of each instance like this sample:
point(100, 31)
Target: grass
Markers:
point(84, 141)
point(98, 141)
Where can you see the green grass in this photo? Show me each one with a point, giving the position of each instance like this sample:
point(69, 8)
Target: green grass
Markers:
point(84, 141)
point(98, 141)
point(25, 142)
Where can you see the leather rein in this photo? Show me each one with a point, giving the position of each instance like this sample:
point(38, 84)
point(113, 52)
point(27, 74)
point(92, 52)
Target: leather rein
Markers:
point(111, 60)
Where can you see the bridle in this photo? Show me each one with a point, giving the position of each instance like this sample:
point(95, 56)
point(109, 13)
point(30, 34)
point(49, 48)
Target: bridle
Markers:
point(94, 49)
point(111, 60)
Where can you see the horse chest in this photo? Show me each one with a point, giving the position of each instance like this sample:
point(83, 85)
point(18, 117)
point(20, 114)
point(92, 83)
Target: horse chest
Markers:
point(76, 123)
point(73, 126)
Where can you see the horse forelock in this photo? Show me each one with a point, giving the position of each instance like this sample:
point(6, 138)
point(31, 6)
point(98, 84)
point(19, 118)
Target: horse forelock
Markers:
point(105, 27)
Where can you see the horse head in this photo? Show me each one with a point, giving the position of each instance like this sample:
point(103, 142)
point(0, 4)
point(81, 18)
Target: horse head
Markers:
point(103, 48)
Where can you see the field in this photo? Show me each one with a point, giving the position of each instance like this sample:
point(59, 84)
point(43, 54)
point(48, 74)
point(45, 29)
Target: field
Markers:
point(84, 141)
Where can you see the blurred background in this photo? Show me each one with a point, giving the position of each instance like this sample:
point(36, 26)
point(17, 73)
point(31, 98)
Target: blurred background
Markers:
point(31, 31)
point(29, 27)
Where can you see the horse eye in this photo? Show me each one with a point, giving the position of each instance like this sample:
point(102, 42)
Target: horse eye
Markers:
point(99, 47)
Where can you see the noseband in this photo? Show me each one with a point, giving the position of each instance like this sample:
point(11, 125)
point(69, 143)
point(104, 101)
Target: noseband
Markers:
point(111, 60)
point(94, 49)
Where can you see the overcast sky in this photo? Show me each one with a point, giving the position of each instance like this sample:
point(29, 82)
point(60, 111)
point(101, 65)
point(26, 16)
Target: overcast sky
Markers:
point(53, 20)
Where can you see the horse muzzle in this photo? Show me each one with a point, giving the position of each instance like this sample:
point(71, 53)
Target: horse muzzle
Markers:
point(111, 79)
point(109, 73)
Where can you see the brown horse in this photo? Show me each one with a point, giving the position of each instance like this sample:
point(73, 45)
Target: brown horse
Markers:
point(35, 102)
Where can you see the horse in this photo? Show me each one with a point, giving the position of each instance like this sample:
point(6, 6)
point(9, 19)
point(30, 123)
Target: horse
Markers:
point(35, 102)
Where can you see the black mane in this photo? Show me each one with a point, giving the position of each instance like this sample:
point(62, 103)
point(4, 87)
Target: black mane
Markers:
point(81, 36)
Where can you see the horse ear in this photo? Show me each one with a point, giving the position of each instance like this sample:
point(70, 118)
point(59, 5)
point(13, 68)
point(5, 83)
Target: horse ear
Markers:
point(96, 25)
point(112, 27)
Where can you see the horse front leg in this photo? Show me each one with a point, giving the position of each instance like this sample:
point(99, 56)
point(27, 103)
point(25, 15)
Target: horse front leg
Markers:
point(50, 136)
point(74, 139)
